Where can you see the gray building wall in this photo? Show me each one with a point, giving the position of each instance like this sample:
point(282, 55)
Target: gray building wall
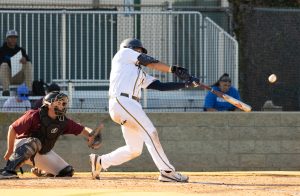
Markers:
point(195, 141)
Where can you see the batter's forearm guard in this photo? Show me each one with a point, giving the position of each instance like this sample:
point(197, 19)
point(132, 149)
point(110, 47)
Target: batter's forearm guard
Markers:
point(145, 60)
point(168, 86)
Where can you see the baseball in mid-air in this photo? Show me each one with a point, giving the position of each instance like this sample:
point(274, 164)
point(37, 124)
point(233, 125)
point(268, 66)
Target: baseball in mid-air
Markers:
point(272, 78)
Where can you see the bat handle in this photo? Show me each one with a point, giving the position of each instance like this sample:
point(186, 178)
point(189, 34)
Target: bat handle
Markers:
point(198, 84)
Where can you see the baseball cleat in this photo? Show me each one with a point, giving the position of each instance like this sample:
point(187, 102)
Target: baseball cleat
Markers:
point(8, 175)
point(172, 176)
point(96, 167)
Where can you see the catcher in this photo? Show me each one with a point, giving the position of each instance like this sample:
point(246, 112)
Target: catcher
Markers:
point(30, 138)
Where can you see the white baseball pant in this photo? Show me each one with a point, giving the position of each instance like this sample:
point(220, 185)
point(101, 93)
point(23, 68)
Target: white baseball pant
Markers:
point(137, 129)
point(50, 162)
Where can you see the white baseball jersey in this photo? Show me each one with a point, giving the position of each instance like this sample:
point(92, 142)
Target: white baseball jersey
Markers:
point(125, 76)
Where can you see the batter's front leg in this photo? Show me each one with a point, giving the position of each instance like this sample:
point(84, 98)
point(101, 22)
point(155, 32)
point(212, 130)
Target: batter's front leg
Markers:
point(132, 149)
point(156, 151)
point(167, 171)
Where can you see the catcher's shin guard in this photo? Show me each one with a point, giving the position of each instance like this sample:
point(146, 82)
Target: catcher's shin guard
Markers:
point(95, 165)
point(23, 153)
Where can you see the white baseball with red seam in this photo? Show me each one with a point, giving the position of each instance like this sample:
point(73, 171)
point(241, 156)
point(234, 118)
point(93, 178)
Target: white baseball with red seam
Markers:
point(272, 78)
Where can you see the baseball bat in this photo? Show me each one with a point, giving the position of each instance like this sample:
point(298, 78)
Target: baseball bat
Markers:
point(237, 103)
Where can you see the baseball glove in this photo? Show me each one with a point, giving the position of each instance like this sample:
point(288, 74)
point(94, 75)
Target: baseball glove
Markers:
point(95, 138)
point(181, 72)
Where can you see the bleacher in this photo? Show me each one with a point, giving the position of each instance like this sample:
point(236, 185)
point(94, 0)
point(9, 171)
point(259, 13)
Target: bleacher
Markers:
point(152, 101)
point(97, 101)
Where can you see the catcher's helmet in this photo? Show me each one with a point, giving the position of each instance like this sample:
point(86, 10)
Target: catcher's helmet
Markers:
point(59, 101)
point(133, 43)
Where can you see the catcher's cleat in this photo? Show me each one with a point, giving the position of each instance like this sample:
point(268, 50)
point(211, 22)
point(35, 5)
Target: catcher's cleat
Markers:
point(172, 176)
point(96, 166)
point(8, 175)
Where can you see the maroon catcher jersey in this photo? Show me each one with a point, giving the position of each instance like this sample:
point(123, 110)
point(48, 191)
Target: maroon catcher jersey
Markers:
point(30, 122)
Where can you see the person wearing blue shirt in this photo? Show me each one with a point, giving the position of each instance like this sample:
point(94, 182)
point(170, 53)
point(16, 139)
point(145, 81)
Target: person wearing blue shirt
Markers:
point(214, 103)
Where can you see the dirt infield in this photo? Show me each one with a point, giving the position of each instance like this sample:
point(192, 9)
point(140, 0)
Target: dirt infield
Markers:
point(136, 183)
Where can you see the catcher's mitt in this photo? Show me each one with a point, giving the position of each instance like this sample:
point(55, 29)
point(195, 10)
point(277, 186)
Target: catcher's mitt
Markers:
point(181, 72)
point(95, 138)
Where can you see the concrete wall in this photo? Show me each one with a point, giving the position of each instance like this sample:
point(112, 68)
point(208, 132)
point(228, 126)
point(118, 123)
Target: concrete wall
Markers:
point(195, 141)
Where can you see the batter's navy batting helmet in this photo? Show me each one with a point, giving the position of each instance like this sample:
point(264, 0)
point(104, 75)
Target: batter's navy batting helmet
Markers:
point(132, 43)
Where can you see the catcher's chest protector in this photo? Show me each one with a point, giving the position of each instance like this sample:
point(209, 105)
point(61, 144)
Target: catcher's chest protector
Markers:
point(49, 132)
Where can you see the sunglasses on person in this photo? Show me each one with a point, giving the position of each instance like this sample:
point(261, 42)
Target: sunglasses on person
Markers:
point(225, 80)
point(23, 95)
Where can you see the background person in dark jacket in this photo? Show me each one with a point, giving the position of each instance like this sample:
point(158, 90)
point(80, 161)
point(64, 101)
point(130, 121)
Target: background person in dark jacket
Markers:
point(8, 50)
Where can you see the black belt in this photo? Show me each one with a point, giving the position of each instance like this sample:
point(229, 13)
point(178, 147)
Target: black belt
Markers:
point(133, 97)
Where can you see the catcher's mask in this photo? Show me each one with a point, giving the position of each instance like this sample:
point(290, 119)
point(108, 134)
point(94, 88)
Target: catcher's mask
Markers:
point(59, 101)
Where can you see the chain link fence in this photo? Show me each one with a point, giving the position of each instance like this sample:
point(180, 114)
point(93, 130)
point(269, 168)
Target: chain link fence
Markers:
point(74, 48)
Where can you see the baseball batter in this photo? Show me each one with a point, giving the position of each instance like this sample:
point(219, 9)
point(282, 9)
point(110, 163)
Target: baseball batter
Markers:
point(30, 138)
point(127, 78)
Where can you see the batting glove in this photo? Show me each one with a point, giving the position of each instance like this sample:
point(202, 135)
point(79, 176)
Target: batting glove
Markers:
point(192, 82)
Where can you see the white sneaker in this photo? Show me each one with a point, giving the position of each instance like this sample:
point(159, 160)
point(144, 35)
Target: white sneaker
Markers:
point(96, 167)
point(172, 177)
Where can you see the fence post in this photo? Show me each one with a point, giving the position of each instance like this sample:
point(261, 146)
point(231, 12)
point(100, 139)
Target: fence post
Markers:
point(220, 54)
point(170, 41)
point(145, 96)
point(63, 44)
point(70, 93)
